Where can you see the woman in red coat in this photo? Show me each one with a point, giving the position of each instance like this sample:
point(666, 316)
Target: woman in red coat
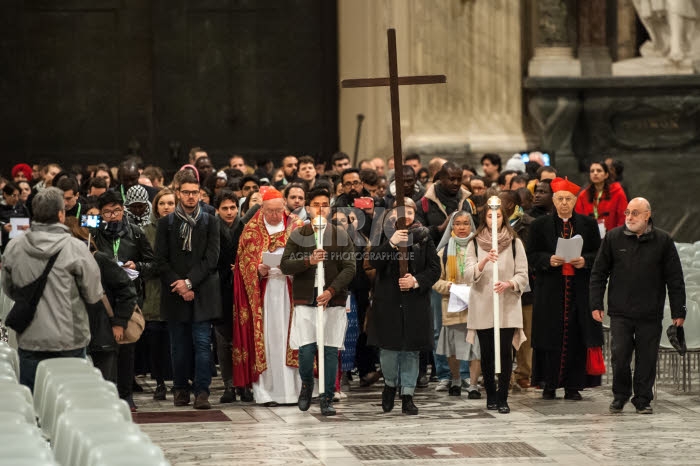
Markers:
point(604, 201)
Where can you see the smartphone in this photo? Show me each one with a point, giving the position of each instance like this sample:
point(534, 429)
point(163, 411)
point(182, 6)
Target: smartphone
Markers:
point(363, 203)
point(90, 221)
point(545, 158)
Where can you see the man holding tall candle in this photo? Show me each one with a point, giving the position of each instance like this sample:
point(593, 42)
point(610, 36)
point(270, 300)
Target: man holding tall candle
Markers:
point(300, 259)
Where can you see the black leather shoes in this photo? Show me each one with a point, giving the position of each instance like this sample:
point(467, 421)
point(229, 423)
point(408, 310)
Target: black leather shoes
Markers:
point(246, 395)
point(491, 405)
point(455, 390)
point(388, 396)
point(327, 408)
point(503, 407)
point(229, 395)
point(407, 406)
point(617, 406)
point(646, 409)
point(305, 395)
point(549, 394)
point(573, 395)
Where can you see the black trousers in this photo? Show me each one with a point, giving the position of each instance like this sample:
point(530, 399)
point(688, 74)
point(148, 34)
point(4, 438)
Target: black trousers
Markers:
point(125, 370)
point(365, 356)
point(488, 363)
point(641, 337)
point(158, 341)
point(106, 362)
point(224, 350)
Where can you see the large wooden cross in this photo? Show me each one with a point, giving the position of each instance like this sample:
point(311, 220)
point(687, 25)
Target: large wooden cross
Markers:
point(394, 81)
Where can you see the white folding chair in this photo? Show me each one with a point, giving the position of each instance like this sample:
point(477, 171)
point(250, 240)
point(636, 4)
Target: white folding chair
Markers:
point(7, 353)
point(59, 365)
point(119, 434)
point(41, 398)
point(78, 400)
point(8, 370)
point(26, 447)
point(85, 384)
point(143, 454)
point(73, 423)
point(14, 403)
point(23, 390)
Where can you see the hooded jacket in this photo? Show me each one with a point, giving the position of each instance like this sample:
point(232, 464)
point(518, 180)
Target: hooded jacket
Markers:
point(61, 320)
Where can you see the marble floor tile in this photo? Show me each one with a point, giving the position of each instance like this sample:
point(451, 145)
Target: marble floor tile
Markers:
point(448, 430)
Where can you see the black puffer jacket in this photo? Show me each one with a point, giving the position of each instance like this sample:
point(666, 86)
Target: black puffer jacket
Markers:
point(640, 270)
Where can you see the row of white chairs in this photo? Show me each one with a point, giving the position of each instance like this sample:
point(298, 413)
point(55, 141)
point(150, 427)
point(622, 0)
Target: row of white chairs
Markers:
point(81, 414)
point(22, 441)
point(86, 421)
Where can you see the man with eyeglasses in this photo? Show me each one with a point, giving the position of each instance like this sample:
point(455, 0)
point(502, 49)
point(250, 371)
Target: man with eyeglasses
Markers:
point(128, 244)
point(262, 359)
point(300, 259)
point(639, 263)
point(563, 331)
point(187, 251)
point(353, 189)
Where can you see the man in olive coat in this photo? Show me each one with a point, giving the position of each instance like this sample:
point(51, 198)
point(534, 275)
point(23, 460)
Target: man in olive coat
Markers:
point(187, 252)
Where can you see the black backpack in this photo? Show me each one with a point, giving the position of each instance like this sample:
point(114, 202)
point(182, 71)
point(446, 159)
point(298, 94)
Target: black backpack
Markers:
point(28, 297)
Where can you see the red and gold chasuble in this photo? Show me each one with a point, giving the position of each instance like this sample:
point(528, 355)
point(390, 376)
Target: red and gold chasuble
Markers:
point(248, 291)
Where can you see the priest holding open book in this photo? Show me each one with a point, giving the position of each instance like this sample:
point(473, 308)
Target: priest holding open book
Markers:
point(566, 340)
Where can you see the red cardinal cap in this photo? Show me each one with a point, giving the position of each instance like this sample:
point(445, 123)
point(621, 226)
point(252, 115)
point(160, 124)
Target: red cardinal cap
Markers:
point(563, 184)
point(272, 194)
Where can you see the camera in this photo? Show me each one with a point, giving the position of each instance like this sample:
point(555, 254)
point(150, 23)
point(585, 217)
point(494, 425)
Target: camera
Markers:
point(90, 221)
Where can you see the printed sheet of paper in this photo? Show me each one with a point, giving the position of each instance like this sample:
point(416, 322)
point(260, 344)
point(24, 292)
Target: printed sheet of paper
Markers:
point(19, 226)
point(569, 248)
point(272, 259)
point(459, 298)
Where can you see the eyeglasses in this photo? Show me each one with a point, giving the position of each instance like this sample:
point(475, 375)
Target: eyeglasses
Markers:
point(634, 213)
point(273, 211)
point(12, 195)
point(565, 199)
point(350, 184)
point(189, 193)
point(112, 213)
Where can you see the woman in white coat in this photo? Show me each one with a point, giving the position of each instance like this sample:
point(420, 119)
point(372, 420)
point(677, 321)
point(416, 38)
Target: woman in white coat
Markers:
point(511, 260)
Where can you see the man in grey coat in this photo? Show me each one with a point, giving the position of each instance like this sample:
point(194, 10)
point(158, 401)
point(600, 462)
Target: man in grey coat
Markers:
point(60, 327)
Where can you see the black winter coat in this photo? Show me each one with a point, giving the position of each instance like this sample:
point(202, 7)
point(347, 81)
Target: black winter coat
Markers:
point(548, 309)
point(640, 270)
point(199, 265)
point(228, 246)
point(403, 321)
point(133, 246)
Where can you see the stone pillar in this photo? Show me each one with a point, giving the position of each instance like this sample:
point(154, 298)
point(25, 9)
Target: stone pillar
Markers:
point(553, 54)
point(626, 30)
point(475, 43)
point(593, 49)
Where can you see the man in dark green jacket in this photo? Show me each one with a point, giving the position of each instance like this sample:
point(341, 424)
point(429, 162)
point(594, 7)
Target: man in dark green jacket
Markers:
point(301, 258)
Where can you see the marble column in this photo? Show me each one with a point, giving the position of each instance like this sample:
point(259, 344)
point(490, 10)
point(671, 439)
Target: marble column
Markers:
point(553, 54)
point(475, 43)
point(592, 39)
point(626, 30)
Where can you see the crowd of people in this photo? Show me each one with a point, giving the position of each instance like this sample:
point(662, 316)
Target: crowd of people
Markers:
point(232, 265)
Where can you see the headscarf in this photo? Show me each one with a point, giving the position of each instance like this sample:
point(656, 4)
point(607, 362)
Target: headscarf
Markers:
point(450, 241)
point(135, 195)
point(188, 223)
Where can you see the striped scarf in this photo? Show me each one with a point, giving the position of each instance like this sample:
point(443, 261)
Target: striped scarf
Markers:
point(452, 245)
point(188, 223)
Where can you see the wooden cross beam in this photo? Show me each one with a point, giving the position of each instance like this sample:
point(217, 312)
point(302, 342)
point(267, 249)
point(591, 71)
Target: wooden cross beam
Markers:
point(393, 82)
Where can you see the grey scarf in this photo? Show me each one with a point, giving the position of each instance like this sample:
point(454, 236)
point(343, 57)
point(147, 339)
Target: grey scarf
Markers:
point(188, 223)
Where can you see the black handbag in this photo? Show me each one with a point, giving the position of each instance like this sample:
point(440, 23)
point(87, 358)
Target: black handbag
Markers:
point(28, 297)
point(101, 336)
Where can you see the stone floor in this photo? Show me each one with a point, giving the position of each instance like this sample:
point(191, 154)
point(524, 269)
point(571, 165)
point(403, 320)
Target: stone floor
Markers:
point(449, 430)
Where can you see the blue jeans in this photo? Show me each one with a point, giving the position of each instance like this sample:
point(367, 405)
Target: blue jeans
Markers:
point(29, 360)
point(400, 368)
point(187, 338)
point(330, 366)
point(442, 369)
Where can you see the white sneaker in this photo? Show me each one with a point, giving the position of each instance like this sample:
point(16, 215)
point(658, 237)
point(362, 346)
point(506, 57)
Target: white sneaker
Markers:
point(443, 385)
point(337, 396)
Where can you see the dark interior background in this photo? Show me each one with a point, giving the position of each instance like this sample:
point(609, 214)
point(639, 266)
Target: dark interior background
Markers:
point(88, 81)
